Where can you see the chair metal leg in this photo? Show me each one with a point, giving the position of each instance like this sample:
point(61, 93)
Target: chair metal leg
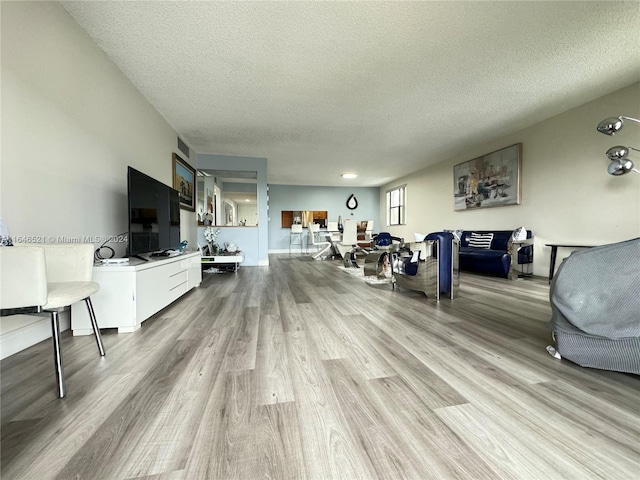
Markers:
point(94, 324)
point(57, 354)
point(322, 251)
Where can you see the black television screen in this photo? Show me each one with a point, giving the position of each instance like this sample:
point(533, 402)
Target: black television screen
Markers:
point(154, 214)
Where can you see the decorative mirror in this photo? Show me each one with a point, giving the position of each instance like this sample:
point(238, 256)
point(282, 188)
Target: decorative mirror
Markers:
point(352, 202)
point(227, 198)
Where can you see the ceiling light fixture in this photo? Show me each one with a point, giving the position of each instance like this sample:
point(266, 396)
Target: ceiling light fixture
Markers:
point(349, 175)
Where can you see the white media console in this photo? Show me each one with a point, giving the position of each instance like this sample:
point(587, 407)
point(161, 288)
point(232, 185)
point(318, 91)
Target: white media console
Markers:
point(132, 292)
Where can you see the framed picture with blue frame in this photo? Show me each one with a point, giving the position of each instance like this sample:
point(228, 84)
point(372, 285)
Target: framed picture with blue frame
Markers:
point(184, 180)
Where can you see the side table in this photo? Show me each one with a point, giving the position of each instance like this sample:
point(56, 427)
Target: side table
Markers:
point(224, 259)
point(554, 252)
point(516, 246)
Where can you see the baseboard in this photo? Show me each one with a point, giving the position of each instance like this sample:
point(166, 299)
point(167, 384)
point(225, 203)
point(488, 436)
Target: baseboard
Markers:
point(23, 331)
point(295, 251)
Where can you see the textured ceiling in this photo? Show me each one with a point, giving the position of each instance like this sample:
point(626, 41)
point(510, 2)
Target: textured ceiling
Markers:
point(379, 88)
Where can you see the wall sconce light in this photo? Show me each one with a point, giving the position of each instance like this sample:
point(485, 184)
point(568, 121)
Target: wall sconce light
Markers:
point(619, 152)
point(620, 167)
point(612, 125)
point(620, 163)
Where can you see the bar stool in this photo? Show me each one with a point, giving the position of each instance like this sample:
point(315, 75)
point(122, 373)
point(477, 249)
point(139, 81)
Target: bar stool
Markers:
point(295, 234)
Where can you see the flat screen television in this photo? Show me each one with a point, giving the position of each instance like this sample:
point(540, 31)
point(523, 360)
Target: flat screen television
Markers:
point(154, 215)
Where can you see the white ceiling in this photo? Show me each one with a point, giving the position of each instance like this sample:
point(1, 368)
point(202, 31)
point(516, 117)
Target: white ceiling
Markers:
point(378, 88)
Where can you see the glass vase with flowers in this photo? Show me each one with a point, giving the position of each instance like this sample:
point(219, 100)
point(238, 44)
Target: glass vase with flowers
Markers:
point(210, 235)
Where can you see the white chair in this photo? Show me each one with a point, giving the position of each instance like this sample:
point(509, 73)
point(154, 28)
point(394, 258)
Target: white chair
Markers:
point(368, 233)
point(295, 233)
point(349, 238)
point(322, 247)
point(334, 231)
point(49, 278)
point(367, 242)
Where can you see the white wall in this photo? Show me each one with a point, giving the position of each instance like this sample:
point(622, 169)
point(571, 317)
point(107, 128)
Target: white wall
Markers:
point(71, 124)
point(567, 194)
point(331, 199)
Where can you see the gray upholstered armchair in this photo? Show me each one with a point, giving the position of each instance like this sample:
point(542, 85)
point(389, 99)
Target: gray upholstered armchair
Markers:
point(595, 303)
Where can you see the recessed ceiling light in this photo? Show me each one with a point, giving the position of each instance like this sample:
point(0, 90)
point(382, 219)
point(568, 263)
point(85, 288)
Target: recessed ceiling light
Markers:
point(246, 200)
point(349, 175)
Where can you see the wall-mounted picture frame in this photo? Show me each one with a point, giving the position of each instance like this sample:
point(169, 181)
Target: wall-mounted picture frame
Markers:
point(184, 180)
point(492, 180)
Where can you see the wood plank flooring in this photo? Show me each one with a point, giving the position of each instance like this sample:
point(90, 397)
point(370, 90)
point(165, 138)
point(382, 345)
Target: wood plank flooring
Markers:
point(301, 371)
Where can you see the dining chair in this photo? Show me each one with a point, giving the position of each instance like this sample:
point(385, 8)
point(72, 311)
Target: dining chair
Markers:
point(49, 278)
point(368, 233)
point(334, 231)
point(367, 241)
point(349, 242)
point(321, 247)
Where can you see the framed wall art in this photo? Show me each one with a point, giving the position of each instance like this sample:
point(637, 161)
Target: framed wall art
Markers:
point(184, 180)
point(492, 180)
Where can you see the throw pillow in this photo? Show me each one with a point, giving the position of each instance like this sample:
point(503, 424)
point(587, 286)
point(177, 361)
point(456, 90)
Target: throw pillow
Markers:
point(519, 233)
point(480, 240)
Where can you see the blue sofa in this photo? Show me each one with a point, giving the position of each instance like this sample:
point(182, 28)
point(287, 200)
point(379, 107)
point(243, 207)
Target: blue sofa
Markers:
point(495, 260)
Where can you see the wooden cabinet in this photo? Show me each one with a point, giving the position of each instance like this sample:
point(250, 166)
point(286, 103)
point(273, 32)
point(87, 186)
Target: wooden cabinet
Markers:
point(131, 293)
point(320, 217)
point(287, 218)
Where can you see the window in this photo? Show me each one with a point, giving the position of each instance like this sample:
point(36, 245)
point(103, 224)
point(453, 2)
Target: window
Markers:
point(396, 205)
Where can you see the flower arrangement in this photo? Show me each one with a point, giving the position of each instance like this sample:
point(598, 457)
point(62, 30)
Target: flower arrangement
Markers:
point(210, 235)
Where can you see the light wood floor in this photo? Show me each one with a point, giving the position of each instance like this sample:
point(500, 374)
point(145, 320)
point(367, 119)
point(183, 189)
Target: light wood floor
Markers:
point(300, 371)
